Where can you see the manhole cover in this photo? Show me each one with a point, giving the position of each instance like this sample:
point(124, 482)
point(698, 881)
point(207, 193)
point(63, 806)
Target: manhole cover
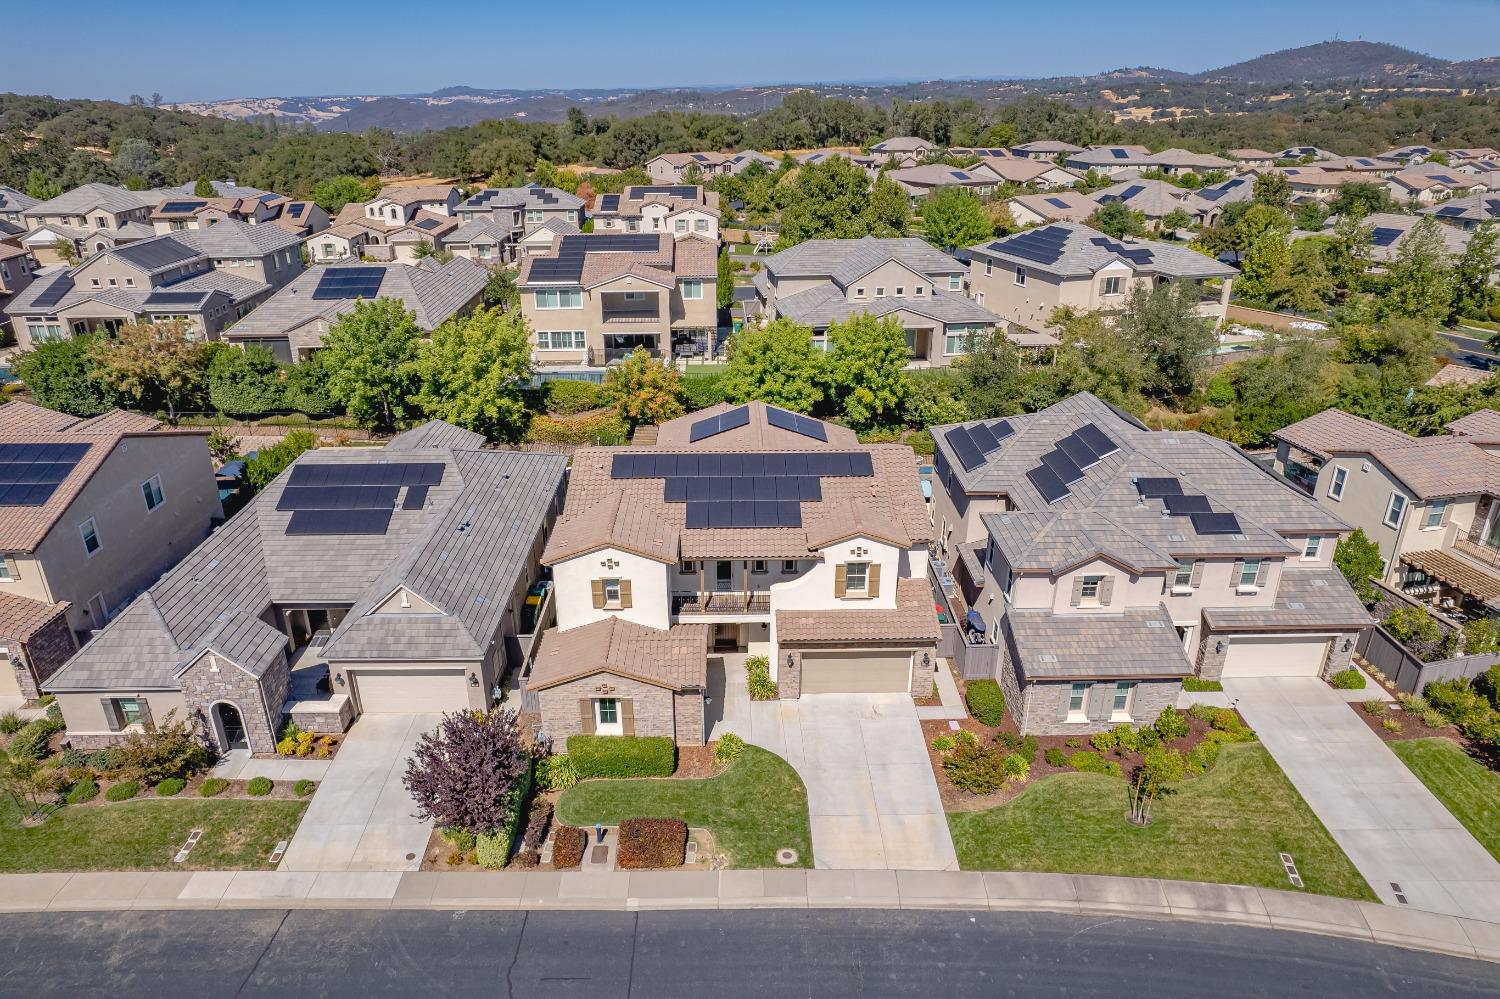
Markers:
point(411, 856)
point(786, 857)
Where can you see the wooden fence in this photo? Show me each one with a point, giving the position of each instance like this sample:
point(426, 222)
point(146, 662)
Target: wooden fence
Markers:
point(1410, 674)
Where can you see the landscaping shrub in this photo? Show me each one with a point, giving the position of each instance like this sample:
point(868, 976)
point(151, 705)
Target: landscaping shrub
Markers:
point(622, 756)
point(1225, 720)
point(1114, 769)
point(31, 742)
point(171, 787)
point(986, 702)
point(169, 748)
point(555, 773)
point(537, 824)
point(1146, 738)
point(1073, 742)
point(493, 849)
point(567, 847)
point(1171, 724)
point(1198, 685)
point(1055, 757)
point(1392, 726)
point(1025, 747)
point(1374, 706)
point(602, 428)
point(1087, 762)
point(943, 743)
point(568, 397)
point(528, 859)
point(1457, 700)
point(759, 682)
point(303, 787)
point(474, 771)
point(11, 723)
point(123, 791)
point(1433, 718)
point(1121, 738)
point(1487, 683)
point(84, 790)
point(651, 844)
point(463, 841)
point(973, 768)
point(1347, 679)
point(104, 761)
point(1202, 757)
point(213, 787)
point(702, 391)
point(1203, 712)
point(965, 738)
point(259, 787)
point(729, 747)
point(1016, 767)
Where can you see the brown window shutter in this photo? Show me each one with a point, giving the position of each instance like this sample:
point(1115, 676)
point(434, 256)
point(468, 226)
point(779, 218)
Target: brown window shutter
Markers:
point(625, 593)
point(598, 586)
point(872, 582)
point(840, 580)
point(111, 713)
point(586, 716)
point(1197, 577)
point(1077, 598)
point(627, 715)
point(1239, 567)
point(1106, 591)
point(1260, 575)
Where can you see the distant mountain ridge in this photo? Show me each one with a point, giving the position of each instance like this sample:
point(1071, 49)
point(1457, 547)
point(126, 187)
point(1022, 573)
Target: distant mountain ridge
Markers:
point(1334, 60)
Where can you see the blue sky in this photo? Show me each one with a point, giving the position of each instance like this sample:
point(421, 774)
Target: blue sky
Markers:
point(307, 47)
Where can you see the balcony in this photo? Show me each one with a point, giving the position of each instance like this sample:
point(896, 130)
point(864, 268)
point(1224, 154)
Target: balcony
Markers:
point(633, 317)
point(689, 604)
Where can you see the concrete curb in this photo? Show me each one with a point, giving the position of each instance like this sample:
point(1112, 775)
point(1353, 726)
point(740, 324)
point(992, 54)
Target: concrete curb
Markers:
point(1077, 894)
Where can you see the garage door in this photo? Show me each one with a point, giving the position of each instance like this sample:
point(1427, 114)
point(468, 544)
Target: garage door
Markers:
point(1298, 656)
point(412, 691)
point(856, 672)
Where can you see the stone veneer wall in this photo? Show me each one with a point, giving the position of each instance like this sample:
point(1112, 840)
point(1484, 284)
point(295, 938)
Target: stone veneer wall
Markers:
point(1211, 662)
point(326, 717)
point(688, 708)
point(653, 711)
point(789, 677)
point(1046, 704)
point(202, 688)
point(43, 654)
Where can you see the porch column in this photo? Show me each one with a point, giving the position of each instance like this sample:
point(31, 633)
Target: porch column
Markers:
point(745, 569)
point(702, 592)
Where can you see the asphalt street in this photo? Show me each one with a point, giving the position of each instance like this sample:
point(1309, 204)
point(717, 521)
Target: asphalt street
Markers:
point(1469, 348)
point(716, 954)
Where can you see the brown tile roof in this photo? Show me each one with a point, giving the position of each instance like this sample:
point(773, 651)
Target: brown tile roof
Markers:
point(631, 202)
point(757, 435)
point(408, 195)
point(1335, 430)
point(913, 620)
point(691, 256)
point(22, 617)
point(1482, 423)
point(676, 658)
point(1458, 374)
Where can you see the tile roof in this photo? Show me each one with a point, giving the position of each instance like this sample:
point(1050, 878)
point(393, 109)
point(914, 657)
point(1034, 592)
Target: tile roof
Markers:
point(1048, 146)
point(413, 195)
point(912, 620)
point(663, 264)
point(1019, 170)
point(87, 197)
point(1459, 374)
point(244, 640)
point(635, 197)
point(1305, 598)
point(22, 617)
point(233, 238)
point(845, 260)
point(1152, 198)
point(1137, 643)
point(1432, 467)
point(12, 200)
point(1074, 207)
point(1322, 433)
point(1084, 251)
point(1483, 423)
point(824, 304)
point(675, 658)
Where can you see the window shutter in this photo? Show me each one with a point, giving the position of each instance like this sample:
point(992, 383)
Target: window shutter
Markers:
point(1260, 575)
point(872, 582)
point(111, 714)
point(625, 593)
point(1077, 597)
point(1106, 590)
point(627, 715)
point(1197, 577)
point(1239, 567)
point(1101, 694)
point(598, 586)
point(840, 580)
point(586, 716)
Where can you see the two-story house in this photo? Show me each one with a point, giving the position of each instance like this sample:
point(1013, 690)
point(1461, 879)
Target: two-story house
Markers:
point(498, 224)
point(1430, 503)
point(355, 582)
point(1207, 204)
point(12, 204)
point(1176, 162)
point(825, 281)
point(1054, 206)
point(390, 226)
point(1024, 277)
point(594, 298)
point(1039, 174)
point(1045, 149)
point(1153, 199)
point(91, 512)
point(1109, 159)
point(680, 209)
point(1469, 212)
point(679, 168)
point(902, 151)
point(206, 278)
point(92, 217)
point(1107, 561)
point(920, 181)
point(17, 266)
point(745, 530)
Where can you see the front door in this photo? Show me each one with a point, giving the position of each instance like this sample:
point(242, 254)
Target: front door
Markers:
point(233, 727)
point(726, 638)
point(724, 576)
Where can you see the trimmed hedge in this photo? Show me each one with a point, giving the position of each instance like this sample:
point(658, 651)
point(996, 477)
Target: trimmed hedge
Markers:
point(1347, 679)
point(123, 791)
point(986, 701)
point(622, 756)
point(1198, 685)
point(171, 787)
point(212, 787)
point(537, 825)
point(602, 428)
point(1087, 762)
point(567, 847)
point(651, 844)
point(259, 787)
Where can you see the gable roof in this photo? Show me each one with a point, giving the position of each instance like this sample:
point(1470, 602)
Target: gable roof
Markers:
point(675, 658)
point(845, 260)
point(1082, 252)
point(87, 197)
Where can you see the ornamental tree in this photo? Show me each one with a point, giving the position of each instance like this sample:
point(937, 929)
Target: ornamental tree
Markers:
point(466, 773)
point(953, 217)
point(154, 365)
point(472, 372)
point(370, 354)
point(866, 363)
point(776, 364)
point(643, 389)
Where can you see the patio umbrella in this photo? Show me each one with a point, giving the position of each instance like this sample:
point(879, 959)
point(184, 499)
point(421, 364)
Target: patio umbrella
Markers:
point(975, 621)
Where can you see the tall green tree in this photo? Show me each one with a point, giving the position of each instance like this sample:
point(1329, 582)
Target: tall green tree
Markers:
point(777, 364)
point(990, 380)
point(154, 366)
point(370, 354)
point(1418, 283)
point(204, 188)
point(724, 287)
point(41, 187)
point(953, 217)
point(1114, 218)
point(889, 213)
point(60, 374)
point(1358, 558)
point(1164, 322)
point(1362, 196)
point(1273, 189)
point(1304, 284)
point(472, 371)
point(1473, 290)
point(334, 193)
point(244, 382)
point(644, 389)
point(828, 200)
point(865, 362)
point(1348, 253)
point(1268, 256)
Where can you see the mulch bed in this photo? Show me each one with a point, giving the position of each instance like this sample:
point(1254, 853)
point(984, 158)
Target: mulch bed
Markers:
point(281, 790)
point(1412, 726)
point(697, 761)
point(337, 741)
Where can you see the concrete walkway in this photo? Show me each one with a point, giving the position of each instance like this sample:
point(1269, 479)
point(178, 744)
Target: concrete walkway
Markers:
point(361, 818)
point(952, 706)
point(238, 764)
point(1383, 817)
point(794, 889)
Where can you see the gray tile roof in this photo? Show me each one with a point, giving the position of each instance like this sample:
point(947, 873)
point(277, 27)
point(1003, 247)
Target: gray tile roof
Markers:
point(222, 189)
point(1139, 643)
point(1085, 251)
point(530, 196)
point(233, 238)
point(243, 639)
point(12, 200)
point(1152, 198)
point(1305, 598)
point(87, 197)
point(436, 433)
point(817, 307)
point(845, 260)
point(500, 499)
point(484, 229)
point(1472, 208)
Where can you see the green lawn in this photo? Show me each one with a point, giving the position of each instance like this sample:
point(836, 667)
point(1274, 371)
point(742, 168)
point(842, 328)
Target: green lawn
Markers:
point(1466, 787)
point(1226, 826)
point(753, 809)
point(145, 833)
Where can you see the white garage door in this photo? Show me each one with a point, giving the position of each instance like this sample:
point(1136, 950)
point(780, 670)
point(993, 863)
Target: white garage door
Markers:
point(856, 672)
point(1296, 656)
point(411, 691)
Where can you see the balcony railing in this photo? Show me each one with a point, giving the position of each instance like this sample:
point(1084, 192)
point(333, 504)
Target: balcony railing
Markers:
point(600, 356)
point(630, 317)
point(721, 603)
point(1474, 549)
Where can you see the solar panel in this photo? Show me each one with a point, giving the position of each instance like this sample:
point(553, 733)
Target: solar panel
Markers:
point(1381, 236)
point(177, 207)
point(965, 449)
point(1098, 441)
point(349, 282)
point(1002, 429)
point(1043, 245)
point(609, 203)
point(1119, 154)
point(1215, 523)
point(713, 425)
point(31, 473)
point(960, 175)
point(1057, 203)
point(1062, 466)
point(384, 473)
point(796, 422)
point(1450, 212)
point(295, 210)
point(984, 437)
point(157, 298)
point(1048, 484)
point(1157, 487)
point(428, 224)
point(416, 498)
point(156, 254)
point(337, 522)
point(1131, 191)
point(1082, 455)
point(337, 498)
point(54, 293)
point(1181, 504)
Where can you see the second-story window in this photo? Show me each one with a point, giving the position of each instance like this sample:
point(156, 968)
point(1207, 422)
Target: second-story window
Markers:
point(151, 490)
point(692, 290)
point(1435, 511)
point(1182, 579)
point(856, 578)
point(955, 282)
point(1394, 509)
point(1112, 285)
point(1088, 594)
point(989, 268)
point(859, 293)
point(560, 298)
point(612, 593)
point(681, 225)
point(1249, 573)
point(1336, 484)
point(1021, 277)
point(1311, 548)
point(789, 566)
point(90, 533)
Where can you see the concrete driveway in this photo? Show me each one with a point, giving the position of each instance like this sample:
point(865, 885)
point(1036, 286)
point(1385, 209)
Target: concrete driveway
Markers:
point(361, 818)
point(1383, 817)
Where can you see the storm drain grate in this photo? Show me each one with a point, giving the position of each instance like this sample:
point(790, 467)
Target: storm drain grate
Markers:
point(187, 848)
point(1291, 870)
point(1400, 895)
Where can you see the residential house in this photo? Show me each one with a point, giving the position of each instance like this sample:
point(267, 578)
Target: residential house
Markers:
point(985, 152)
point(1106, 562)
point(1431, 182)
point(206, 278)
point(676, 168)
point(1045, 149)
point(1317, 184)
point(390, 226)
point(745, 530)
point(293, 322)
point(92, 511)
point(1428, 502)
point(1460, 156)
point(92, 217)
point(499, 224)
point(595, 298)
point(1109, 159)
point(1207, 204)
point(1367, 166)
point(1023, 277)
point(1407, 155)
point(179, 211)
point(920, 181)
point(902, 151)
point(1177, 162)
point(1153, 199)
point(680, 209)
point(1389, 230)
point(1468, 212)
point(354, 583)
point(824, 281)
point(869, 163)
point(1040, 174)
point(13, 204)
point(1252, 159)
point(1307, 153)
point(1057, 206)
point(16, 268)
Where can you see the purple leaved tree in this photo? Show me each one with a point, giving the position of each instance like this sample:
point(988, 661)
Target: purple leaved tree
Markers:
point(465, 774)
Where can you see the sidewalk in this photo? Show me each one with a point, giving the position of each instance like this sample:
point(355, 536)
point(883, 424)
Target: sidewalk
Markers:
point(793, 889)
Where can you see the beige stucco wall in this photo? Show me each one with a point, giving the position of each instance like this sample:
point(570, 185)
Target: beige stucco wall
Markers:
point(84, 712)
point(650, 601)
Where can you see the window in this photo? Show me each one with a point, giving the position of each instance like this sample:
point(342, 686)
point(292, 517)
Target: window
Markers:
point(955, 282)
point(1311, 548)
point(151, 489)
point(900, 291)
point(1112, 285)
point(1089, 594)
point(1336, 484)
point(856, 578)
point(788, 566)
point(1435, 511)
point(1077, 695)
point(127, 711)
point(1020, 277)
point(560, 298)
point(612, 593)
point(1183, 578)
point(859, 293)
point(1394, 509)
point(572, 215)
point(681, 225)
point(559, 340)
point(920, 291)
point(692, 290)
point(5, 574)
point(130, 282)
point(93, 282)
point(879, 292)
point(989, 268)
point(688, 568)
point(634, 225)
point(701, 225)
point(1249, 572)
point(607, 716)
point(1120, 708)
point(760, 565)
point(90, 532)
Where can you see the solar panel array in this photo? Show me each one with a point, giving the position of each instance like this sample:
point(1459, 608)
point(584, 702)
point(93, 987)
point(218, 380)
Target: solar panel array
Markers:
point(295, 210)
point(1119, 154)
point(1196, 508)
point(1057, 203)
point(31, 473)
point(329, 499)
point(349, 282)
point(609, 202)
point(155, 254)
point(428, 224)
point(684, 191)
point(1136, 255)
point(1124, 195)
point(960, 175)
point(181, 207)
point(1450, 211)
point(727, 420)
point(54, 293)
point(1044, 245)
point(973, 442)
point(566, 266)
point(165, 298)
point(1069, 460)
point(1381, 236)
point(797, 423)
